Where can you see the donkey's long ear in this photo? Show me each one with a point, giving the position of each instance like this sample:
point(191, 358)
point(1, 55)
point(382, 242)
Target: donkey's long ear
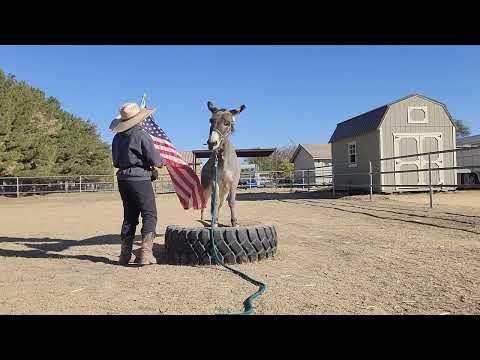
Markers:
point(212, 108)
point(237, 110)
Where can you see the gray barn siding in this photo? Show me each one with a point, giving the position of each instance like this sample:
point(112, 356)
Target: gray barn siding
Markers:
point(367, 149)
point(395, 121)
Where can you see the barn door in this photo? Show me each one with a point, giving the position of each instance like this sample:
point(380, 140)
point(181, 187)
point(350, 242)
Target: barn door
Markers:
point(431, 143)
point(407, 144)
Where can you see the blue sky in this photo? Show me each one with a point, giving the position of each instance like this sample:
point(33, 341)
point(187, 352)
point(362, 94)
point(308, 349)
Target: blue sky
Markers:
point(291, 92)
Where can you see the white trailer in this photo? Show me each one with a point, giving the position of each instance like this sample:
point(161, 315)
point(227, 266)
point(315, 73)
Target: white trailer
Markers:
point(468, 158)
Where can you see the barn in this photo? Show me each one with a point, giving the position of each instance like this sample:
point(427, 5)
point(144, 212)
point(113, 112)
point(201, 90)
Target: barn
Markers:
point(312, 164)
point(411, 125)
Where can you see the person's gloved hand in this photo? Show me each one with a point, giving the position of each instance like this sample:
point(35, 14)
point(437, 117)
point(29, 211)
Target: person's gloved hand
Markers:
point(154, 174)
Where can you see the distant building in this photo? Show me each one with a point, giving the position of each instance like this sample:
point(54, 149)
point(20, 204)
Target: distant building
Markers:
point(468, 158)
point(312, 164)
point(411, 125)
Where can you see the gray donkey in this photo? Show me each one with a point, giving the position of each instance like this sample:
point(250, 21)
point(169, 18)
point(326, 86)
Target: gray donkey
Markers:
point(221, 127)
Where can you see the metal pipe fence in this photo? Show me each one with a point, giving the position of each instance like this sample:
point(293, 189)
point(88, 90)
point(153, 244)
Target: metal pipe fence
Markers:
point(421, 184)
point(40, 185)
point(326, 177)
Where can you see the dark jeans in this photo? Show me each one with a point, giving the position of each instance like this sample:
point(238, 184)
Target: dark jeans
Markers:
point(138, 198)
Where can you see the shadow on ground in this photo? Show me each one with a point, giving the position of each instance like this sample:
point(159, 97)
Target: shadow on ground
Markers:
point(322, 194)
point(47, 248)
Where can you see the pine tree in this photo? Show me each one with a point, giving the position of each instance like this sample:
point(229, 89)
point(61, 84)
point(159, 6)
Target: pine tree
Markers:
point(38, 138)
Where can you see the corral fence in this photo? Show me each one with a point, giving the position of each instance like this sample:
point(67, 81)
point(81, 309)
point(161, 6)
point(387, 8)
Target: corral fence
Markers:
point(426, 168)
point(39, 185)
point(310, 179)
point(427, 177)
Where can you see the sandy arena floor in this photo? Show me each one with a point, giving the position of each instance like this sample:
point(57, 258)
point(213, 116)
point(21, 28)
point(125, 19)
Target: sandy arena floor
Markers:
point(336, 256)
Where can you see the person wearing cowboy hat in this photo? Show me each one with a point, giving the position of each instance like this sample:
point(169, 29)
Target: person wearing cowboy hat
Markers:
point(135, 156)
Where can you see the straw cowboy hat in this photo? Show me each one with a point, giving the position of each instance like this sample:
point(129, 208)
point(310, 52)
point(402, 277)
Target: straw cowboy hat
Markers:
point(130, 115)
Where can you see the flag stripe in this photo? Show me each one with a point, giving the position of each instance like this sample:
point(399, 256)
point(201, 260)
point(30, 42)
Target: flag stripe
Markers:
point(175, 161)
point(165, 144)
point(172, 154)
point(185, 180)
point(196, 186)
point(180, 183)
point(181, 190)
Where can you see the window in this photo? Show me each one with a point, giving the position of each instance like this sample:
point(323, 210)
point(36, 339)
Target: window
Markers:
point(352, 154)
point(417, 115)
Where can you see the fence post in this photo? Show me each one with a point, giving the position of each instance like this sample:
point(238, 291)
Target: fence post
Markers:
point(80, 183)
point(430, 179)
point(394, 175)
point(303, 180)
point(18, 188)
point(371, 179)
point(333, 181)
point(308, 180)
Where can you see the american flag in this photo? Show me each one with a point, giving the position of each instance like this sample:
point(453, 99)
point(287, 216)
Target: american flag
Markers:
point(185, 181)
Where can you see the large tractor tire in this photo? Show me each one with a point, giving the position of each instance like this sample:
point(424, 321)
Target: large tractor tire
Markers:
point(192, 246)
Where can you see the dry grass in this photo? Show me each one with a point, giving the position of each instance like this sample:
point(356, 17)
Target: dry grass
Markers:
point(336, 256)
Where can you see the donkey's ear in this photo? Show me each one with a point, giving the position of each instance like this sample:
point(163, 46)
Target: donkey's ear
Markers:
point(237, 110)
point(212, 108)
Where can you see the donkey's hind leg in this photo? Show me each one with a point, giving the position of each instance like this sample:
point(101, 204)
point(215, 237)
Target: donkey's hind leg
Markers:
point(231, 203)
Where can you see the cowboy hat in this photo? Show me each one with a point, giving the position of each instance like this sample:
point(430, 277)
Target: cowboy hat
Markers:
point(130, 115)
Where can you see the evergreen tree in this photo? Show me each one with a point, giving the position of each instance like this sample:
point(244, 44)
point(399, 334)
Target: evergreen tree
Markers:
point(462, 129)
point(38, 138)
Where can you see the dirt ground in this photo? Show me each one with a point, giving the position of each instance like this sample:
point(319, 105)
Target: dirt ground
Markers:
point(336, 256)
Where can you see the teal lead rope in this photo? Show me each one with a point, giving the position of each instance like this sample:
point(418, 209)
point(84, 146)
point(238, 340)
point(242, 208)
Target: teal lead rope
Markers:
point(247, 304)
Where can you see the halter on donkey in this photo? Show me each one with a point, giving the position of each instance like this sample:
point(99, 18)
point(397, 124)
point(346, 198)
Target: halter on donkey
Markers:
point(221, 128)
point(222, 169)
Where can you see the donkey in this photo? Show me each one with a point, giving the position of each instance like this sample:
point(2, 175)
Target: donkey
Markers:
point(222, 124)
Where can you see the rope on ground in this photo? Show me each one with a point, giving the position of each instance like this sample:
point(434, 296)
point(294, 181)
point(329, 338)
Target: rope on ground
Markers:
point(247, 303)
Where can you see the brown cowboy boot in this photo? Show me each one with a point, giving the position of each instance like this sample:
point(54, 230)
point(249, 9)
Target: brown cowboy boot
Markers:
point(126, 251)
point(145, 254)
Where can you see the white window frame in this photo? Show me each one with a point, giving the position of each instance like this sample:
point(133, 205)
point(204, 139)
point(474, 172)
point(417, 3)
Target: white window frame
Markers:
point(352, 164)
point(411, 108)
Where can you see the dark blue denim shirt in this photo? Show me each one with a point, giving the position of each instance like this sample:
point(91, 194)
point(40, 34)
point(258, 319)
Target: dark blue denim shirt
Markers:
point(134, 154)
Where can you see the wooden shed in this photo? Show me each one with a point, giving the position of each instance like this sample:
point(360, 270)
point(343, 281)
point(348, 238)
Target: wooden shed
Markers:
point(312, 164)
point(411, 125)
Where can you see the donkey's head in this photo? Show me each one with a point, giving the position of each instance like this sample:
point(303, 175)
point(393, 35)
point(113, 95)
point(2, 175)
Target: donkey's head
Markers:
point(222, 125)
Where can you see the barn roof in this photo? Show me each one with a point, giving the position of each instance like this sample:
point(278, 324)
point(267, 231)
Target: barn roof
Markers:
point(370, 120)
point(316, 151)
point(468, 140)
